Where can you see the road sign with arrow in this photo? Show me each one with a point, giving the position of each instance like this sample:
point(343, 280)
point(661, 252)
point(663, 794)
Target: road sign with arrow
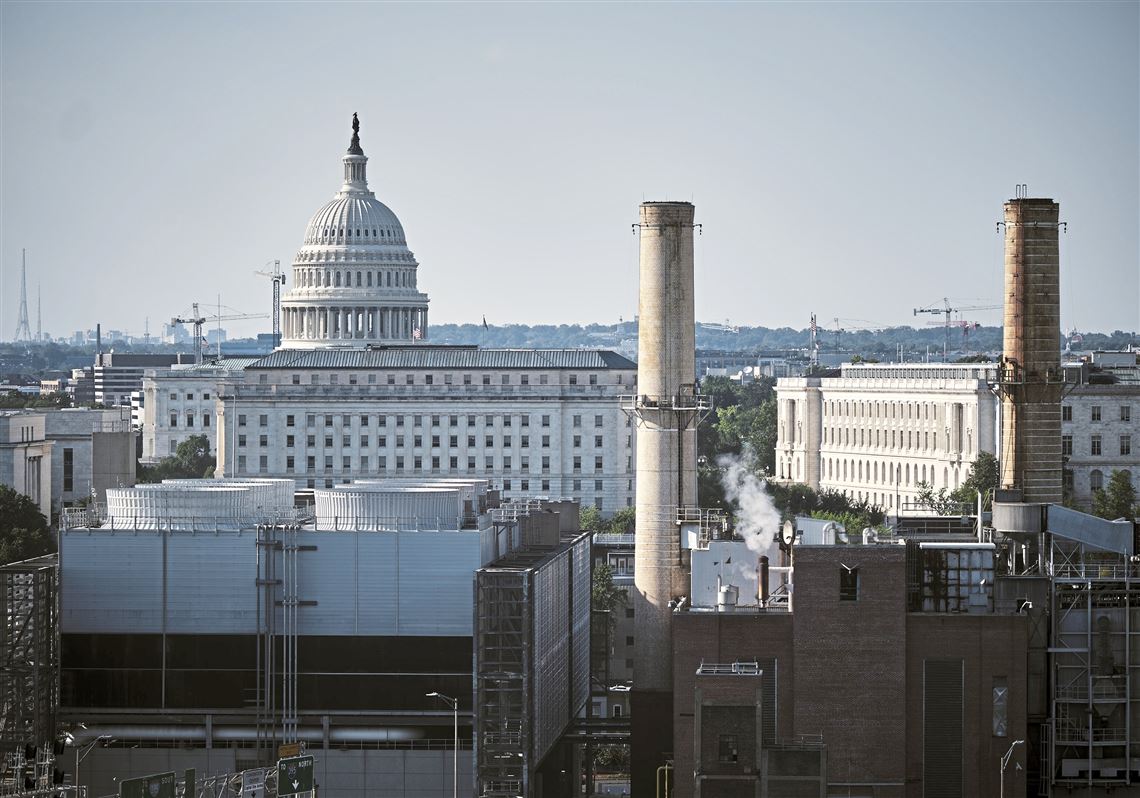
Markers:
point(294, 775)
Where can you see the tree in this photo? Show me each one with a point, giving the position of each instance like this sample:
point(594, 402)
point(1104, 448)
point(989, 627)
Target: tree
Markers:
point(983, 478)
point(604, 595)
point(940, 502)
point(1118, 499)
point(191, 460)
point(623, 521)
point(24, 531)
point(590, 519)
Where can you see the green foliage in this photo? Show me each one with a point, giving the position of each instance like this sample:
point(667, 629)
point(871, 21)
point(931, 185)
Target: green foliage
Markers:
point(798, 499)
point(191, 460)
point(1117, 500)
point(983, 478)
point(590, 519)
point(14, 400)
point(24, 531)
point(744, 416)
point(611, 758)
point(622, 522)
point(604, 596)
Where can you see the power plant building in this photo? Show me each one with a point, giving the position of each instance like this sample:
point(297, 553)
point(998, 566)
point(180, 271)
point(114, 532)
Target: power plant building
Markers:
point(205, 622)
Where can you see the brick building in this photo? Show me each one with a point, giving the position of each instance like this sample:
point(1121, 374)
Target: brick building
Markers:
point(865, 683)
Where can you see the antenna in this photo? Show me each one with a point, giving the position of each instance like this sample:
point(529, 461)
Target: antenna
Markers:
point(39, 312)
point(23, 331)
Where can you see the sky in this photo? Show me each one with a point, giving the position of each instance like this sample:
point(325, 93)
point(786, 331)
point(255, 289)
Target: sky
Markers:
point(845, 159)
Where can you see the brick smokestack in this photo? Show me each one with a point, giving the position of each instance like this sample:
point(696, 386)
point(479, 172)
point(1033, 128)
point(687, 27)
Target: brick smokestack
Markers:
point(1031, 362)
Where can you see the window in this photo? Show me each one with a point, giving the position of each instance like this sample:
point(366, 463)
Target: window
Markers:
point(263, 463)
point(241, 463)
point(1126, 444)
point(241, 420)
point(173, 420)
point(68, 468)
point(1094, 446)
point(524, 441)
point(597, 441)
point(435, 441)
point(310, 440)
point(848, 583)
point(598, 487)
point(546, 421)
point(289, 462)
point(573, 379)
point(577, 441)
point(328, 421)
point(545, 464)
point(363, 441)
point(488, 462)
point(310, 421)
point(543, 379)
point(289, 440)
point(577, 421)
point(466, 379)
point(1094, 413)
point(486, 379)
point(429, 379)
point(598, 463)
point(409, 379)
point(545, 441)
point(525, 422)
point(241, 440)
point(1125, 413)
point(289, 421)
point(1066, 412)
point(263, 440)
point(726, 748)
point(524, 379)
point(524, 484)
point(597, 421)
point(1067, 445)
point(205, 419)
point(593, 379)
point(489, 442)
point(263, 420)
point(328, 441)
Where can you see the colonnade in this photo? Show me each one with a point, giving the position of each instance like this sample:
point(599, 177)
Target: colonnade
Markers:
point(352, 323)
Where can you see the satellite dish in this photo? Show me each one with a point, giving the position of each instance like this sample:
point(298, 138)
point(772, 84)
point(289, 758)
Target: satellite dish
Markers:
point(788, 533)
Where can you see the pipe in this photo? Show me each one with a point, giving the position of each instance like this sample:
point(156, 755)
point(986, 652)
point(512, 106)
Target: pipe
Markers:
point(764, 592)
point(197, 733)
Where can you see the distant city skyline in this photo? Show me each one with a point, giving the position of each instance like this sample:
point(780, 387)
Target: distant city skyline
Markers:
point(848, 160)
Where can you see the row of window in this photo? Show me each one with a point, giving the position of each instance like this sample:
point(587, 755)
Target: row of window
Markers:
point(189, 396)
point(445, 379)
point(1095, 413)
point(189, 422)
point(906, 410)
point(363, 463)
point(863, 437)
point(505, 442)
point(322, 278)
point(418, 420)
point(1095, 445)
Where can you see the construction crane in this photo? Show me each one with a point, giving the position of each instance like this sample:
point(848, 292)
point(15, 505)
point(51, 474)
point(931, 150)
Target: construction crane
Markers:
point(219, 318)
point(197, 320)
point(278, 278)
point(947, 311)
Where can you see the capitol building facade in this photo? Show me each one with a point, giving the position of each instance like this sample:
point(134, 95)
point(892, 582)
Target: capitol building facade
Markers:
point(356, 391)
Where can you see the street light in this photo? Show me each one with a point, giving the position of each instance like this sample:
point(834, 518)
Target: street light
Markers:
point(1005, 763)
point(454, 704)
point(82, 752)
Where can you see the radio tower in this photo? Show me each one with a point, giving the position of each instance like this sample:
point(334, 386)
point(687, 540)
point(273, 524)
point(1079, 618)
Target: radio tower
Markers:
point(23, 331)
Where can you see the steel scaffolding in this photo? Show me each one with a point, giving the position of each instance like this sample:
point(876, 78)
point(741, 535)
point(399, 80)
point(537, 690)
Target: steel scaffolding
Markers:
point(1094, 656)
point(29, 653)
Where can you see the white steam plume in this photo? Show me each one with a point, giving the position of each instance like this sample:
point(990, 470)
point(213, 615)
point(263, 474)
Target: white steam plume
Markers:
point(757, 519)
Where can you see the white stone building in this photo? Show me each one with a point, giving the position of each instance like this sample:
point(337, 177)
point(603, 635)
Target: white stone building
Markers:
point(877, 430)
point(92, 450)
point(25, 457)
point(1099, 425)
point(355, 392)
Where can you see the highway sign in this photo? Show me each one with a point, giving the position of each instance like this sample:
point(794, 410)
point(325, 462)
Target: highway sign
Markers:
point(294, 775)
point(160, 785)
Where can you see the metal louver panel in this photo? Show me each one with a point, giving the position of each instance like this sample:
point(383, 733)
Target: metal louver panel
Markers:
point(942, 726)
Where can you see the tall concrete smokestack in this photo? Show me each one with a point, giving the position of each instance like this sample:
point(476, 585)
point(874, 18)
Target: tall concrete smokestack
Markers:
point(1031, 362)
point(667, 410)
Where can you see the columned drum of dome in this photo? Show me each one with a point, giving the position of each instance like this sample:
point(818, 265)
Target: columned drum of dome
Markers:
point(354, 278)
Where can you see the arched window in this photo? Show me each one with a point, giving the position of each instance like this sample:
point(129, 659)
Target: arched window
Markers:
point(369, 279)
point(336, 280)
point(1096, 479)
point(358, 279)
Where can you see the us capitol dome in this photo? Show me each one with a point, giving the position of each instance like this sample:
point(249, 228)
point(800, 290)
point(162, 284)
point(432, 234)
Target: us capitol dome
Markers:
point(354, 278)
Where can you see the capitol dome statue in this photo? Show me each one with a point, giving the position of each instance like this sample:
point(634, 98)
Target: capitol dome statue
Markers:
point(354, 278)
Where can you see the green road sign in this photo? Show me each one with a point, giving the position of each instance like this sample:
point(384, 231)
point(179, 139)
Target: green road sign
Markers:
point(294, 775)
point(160, 785)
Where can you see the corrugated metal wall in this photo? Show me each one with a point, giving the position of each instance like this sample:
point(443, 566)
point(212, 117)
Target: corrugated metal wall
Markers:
point(364, 583)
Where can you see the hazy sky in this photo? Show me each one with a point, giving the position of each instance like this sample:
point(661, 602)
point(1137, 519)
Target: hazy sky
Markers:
point(849, 159)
